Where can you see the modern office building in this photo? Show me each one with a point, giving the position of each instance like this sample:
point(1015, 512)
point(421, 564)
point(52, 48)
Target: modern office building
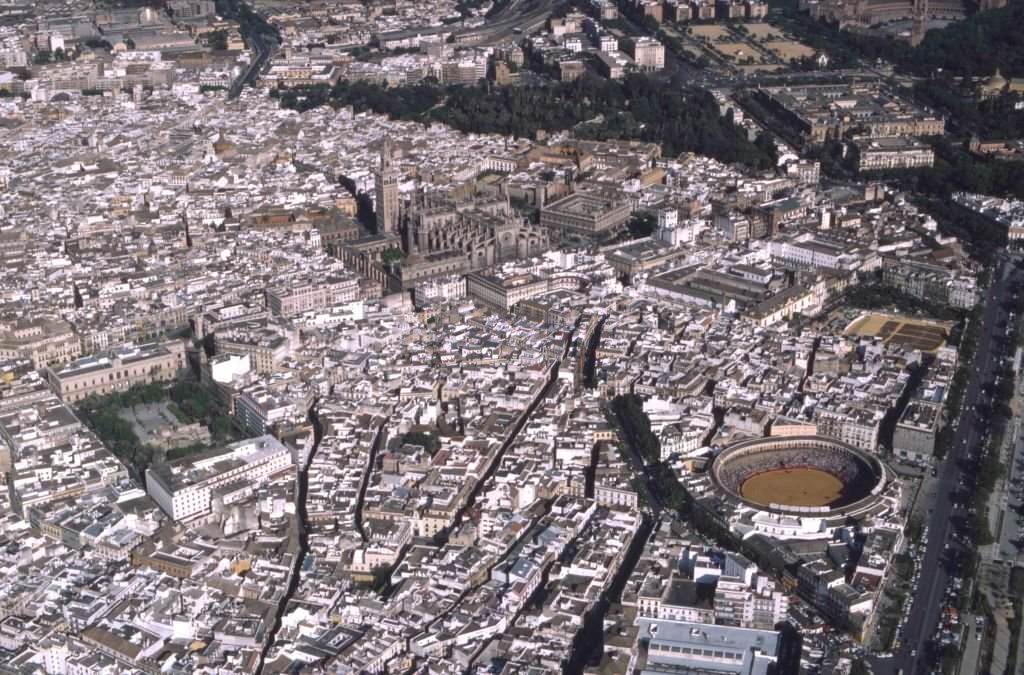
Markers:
point(685, 647)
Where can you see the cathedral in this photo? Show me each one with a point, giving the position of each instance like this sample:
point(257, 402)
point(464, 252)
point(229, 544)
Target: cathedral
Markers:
point(453, 232)
point(487, 230)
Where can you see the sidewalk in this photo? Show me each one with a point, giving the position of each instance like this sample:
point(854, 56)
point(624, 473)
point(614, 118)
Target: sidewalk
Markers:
point(1001, 649)
point(972, 648)
point(1020, 648)
point(993, 575)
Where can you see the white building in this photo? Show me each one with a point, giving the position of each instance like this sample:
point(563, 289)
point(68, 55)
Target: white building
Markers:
point(806, 252)
point(193, 488)
point(226, 368)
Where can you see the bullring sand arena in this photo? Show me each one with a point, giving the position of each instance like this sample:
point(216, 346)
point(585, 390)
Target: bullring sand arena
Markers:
point(794, 486)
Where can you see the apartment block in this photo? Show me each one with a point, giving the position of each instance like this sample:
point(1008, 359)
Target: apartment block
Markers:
point(930, 282)
point(683, 646)
point(879, 154)
point(647, 53)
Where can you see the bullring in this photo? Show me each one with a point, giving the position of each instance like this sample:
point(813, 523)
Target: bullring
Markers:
point(799, 475)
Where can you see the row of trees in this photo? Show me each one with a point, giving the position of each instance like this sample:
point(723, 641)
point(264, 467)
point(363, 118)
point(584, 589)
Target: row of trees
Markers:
point(957, 170)
point(995, 417)
point(636, 426)
point(997, 117)
point(250, 22)
point(638, 108)
point(973, 47)
point(58, 55)
point(641, 224)
point(967, 345)
point(217, 40)
point(194, 403)
point(466, 8)
point(846, 49)
point(428, 440)
point(116, 433)
point(982, 236)
point(881, 297)
point(629, 408)
point(409, 102)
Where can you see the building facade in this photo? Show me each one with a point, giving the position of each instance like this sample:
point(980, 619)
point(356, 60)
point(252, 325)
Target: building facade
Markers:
point(296, 299)
point(117, 370)
point(879, 154)
point(45, 342)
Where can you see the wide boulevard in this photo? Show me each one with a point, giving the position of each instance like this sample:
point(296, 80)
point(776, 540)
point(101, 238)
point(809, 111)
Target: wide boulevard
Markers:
point(914, 655)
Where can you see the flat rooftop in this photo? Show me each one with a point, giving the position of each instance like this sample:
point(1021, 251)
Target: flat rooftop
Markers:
point(176, 476)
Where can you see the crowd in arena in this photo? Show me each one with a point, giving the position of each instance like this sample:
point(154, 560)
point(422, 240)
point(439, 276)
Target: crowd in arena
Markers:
point(737, 465)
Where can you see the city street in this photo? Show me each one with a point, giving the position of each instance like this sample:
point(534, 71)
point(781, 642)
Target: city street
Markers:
point(263, 45)
point(928, 601)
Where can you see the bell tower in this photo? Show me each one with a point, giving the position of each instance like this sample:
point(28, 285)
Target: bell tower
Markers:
point(386, 191)
point(919, 28)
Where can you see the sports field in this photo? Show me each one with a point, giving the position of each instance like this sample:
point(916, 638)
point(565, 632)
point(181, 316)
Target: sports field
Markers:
point(793, 487)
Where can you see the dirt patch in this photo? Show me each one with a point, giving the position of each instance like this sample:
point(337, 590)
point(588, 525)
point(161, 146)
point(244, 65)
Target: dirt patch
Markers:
point(711, 32)
point(738, 51)
point(788, 49)
point(894, 329)
point(763, 30)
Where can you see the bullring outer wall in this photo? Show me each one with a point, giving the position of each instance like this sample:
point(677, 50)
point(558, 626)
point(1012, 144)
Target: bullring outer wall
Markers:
point(818, 452)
